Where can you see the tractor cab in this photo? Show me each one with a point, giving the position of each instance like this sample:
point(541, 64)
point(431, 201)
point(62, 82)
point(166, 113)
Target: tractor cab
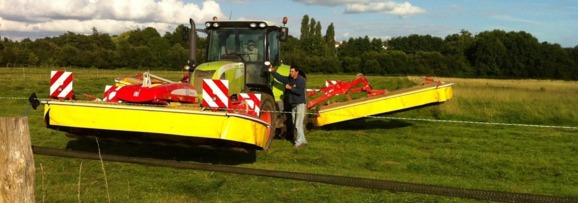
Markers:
point(250, 43)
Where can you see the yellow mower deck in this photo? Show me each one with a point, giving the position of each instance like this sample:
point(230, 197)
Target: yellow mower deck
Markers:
point(393, 101)
point(188, 121)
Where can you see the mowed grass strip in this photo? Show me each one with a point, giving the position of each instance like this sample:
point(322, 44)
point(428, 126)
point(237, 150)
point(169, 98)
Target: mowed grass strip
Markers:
point(491, 157)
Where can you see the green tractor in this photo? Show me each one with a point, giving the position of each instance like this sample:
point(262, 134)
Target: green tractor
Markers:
point(241, 52)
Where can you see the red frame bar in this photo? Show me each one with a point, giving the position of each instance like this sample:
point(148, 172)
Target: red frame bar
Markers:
point(344, 88)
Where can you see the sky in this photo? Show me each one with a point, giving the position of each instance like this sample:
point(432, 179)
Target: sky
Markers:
point(547, 20)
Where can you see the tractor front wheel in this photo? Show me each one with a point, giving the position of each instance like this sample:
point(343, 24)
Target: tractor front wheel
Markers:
point(269, 115)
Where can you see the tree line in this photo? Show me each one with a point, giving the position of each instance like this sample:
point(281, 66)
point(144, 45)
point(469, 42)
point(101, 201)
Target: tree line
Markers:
point(138, 48)
point(489, 54)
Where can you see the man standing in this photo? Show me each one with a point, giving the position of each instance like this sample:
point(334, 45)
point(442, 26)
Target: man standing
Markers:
point(295, 95)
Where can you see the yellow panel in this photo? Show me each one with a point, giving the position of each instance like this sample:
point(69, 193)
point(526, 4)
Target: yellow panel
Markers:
point(165, 120)
point(380, 105)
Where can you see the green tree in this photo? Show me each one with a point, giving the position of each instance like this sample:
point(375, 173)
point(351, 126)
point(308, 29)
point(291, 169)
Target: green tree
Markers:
point(291, 52)
point(400, 62)
point(45, 50)
point(330, 41)
point(305, 27)
point(522, 49)
point(312, 25)
point(149, 33)
point(313, 44)
point(351, 64)
point(376, 44)
point(32, 59)
point(414, 43)
point(159, 49)
point(455, 51)
point(103, 40)
point(554, 63)
point(102, 58)
point(176, 37)
point(488, 54)
point(573, 54)
point(123, 54)
point(136, 37)
point(177, 57)
point(10, 54)
point(355, 47)
point(143, 57)
point(370, 64)
point(331, 65)
point(69, 55)
point(318, 29)
point(85, 59)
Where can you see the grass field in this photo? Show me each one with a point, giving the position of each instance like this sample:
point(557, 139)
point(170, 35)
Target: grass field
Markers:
point(496, 155)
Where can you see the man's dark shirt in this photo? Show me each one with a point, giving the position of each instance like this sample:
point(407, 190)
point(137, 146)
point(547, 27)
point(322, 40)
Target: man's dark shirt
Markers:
point(295, 95)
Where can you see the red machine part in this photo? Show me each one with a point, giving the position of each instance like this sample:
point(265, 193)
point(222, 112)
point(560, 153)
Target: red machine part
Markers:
point(160, 94)
point(429, 80)
point(339, 87)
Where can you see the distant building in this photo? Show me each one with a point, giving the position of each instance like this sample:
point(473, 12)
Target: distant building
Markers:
point(337, 44)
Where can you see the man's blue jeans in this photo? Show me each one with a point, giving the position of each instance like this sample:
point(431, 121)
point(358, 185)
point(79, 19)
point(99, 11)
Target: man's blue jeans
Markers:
point(298, 114)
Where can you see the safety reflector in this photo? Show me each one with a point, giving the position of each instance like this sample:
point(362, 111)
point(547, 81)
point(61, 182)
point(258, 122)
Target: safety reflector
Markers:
point(253, 101)
point(110, 93)
point(61, 85)
point(216, 93)
point(330, 83)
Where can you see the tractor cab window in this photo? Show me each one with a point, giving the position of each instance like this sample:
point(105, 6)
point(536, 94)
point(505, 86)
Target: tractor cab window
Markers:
point(273, 48)
point(236, 44)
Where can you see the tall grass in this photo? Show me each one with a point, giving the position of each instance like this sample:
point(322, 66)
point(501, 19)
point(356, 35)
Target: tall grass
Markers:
point(490, 157)
point(538, 102)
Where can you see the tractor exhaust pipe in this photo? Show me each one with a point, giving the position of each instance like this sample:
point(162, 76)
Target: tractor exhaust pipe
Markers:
point(192, 35)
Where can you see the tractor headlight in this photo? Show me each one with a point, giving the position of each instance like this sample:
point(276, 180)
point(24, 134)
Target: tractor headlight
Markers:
point(262, 25)
point(253, 25)
point(216, 25)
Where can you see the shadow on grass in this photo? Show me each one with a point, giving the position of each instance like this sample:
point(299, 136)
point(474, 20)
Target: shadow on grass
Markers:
point(202, 154)
point(367, 124)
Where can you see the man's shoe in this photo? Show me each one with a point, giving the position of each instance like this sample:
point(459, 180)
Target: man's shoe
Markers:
point(300, 145)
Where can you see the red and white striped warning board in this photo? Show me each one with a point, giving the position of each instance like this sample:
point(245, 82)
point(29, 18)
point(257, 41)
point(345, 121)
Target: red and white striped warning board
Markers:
point(216, 93)
point(330, 83)
point(253, 101)
point(110, 93)
point(61, 85)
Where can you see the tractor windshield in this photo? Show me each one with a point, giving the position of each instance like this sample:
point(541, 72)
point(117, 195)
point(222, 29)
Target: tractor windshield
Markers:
point(236, 44)
point(252, 46)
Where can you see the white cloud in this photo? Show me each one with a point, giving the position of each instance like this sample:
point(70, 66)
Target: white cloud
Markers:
point(369, 6)
point(332, 2)
point(401, 9)
point(510, 18)
point(109, 16)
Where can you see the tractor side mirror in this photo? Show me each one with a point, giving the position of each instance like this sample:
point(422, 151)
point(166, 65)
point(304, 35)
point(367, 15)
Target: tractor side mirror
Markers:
point(185, 33)
point(284, 34)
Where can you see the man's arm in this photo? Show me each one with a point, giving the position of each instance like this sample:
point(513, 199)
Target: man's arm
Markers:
point(299, 87)
point(279, 77)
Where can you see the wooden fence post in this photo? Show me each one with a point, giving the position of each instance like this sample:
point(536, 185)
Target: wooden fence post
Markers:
point(16, 161)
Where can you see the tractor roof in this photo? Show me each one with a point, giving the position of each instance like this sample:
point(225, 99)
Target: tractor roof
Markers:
point(231, 23)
